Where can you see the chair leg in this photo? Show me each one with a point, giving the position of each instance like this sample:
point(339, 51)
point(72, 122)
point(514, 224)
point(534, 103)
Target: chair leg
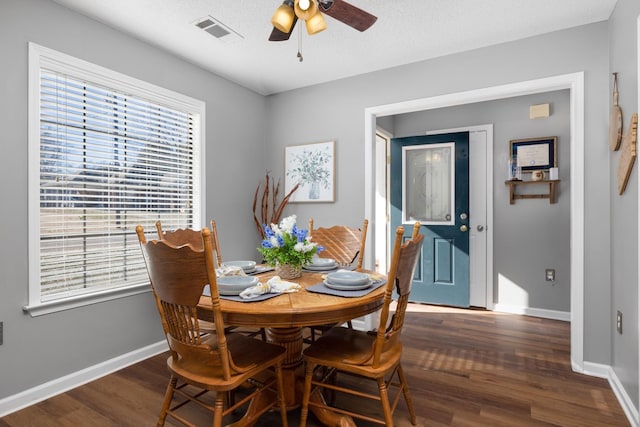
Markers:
point(168, 396)
point(407, 395)
point(331, 377)
point(307, 393)
point(283, 404)
point(218, 409)
point(384, 399)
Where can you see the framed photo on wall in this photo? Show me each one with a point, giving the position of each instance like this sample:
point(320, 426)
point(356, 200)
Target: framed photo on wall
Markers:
point(535, 153)
point(313, 167)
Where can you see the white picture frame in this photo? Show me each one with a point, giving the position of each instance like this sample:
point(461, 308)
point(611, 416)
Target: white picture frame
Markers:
point(313, 167)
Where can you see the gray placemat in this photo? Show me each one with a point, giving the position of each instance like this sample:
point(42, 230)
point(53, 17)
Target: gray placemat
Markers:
point(207, 292)
point(321, 288)
point(261, 269)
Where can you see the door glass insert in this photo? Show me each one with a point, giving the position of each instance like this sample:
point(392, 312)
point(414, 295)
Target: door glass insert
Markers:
point(428, 183)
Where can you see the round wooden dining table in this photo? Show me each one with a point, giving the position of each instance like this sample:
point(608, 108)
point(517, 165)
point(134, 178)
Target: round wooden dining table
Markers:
point(284, 317)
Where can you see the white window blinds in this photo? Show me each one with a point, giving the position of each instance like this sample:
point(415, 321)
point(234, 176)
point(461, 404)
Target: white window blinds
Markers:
point(108, 161)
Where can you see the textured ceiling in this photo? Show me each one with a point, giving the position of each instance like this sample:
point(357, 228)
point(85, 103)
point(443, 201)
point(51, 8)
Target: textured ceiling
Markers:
point(406, 31)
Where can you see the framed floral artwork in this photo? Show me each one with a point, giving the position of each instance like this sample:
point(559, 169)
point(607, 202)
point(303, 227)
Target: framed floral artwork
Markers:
point(313, 167)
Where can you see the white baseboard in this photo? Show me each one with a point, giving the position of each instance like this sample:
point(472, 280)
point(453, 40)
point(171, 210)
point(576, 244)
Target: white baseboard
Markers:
point(60, 385)
point(606, 371)
point(597, 370)
point(535, 312)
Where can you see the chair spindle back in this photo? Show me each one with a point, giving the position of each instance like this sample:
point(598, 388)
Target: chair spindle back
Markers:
point(400, 278)
point(342, 243)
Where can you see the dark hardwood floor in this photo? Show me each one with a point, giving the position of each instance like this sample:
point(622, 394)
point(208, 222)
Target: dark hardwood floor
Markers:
point(464, 368)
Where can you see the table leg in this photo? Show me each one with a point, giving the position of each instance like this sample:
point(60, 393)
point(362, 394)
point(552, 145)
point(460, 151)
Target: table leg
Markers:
point(293, 377)
point(291, 339)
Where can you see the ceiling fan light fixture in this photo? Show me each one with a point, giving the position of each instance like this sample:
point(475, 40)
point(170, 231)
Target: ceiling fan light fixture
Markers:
point(304, 4)
point(305, 9)
point(315, 24)
point(284, 16)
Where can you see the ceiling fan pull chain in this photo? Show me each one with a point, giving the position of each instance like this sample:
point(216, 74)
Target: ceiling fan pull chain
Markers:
point(300, 58)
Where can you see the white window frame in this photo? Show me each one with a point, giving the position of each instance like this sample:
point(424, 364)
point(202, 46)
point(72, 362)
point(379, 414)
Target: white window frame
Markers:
point(41, 57)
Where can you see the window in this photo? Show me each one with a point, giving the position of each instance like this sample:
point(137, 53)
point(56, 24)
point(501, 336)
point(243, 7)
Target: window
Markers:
point(107, 152)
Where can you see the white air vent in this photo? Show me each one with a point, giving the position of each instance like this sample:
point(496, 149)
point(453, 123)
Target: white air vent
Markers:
point(217, 29)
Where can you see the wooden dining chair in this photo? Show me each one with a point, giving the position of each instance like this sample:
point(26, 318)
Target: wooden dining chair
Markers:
point(212, 360)
point(373, 356)
point(183, 236)
point(345, 245)
point(342, 243)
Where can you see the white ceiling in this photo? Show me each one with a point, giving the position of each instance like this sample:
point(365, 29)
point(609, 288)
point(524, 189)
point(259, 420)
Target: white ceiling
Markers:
point(406, 31)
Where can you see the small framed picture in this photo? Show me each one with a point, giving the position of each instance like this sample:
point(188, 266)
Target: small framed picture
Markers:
point(313, 167)
point(535, 153)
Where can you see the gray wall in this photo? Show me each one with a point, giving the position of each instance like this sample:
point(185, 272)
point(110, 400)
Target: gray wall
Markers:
point(37, 350)
point(624, 209)
point(530, 235)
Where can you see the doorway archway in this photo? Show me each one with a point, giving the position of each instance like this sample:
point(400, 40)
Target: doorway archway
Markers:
point(575, 83)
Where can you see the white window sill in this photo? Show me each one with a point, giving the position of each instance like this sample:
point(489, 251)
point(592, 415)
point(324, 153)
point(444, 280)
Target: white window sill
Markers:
point(49, 307)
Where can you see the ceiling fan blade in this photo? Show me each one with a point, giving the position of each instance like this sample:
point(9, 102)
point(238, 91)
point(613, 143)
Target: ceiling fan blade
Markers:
point(348, 14)
point(278, 36)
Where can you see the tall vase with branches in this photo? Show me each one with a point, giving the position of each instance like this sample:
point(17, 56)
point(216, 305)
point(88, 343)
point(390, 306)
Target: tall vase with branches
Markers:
point(267, 209)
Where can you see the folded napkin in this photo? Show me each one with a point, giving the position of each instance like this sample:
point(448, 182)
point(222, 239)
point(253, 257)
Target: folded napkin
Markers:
point(275, 285)
point(230, 270)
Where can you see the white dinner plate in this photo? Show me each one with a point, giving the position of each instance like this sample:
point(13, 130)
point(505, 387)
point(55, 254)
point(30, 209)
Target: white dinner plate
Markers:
point(348, 278)
point(328, 267)
point(247, 266)
point(233, 285)
point(348, 287)
point(322, 262)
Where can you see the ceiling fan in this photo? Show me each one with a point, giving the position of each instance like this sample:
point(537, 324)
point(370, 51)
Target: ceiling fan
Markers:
point(285, 17)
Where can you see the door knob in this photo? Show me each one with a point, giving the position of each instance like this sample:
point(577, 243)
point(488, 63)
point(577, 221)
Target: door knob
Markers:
point(480, 227)
point(464, 228)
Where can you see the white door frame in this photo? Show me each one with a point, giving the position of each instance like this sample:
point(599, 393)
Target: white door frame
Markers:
point(575, 83)
point(381, 231)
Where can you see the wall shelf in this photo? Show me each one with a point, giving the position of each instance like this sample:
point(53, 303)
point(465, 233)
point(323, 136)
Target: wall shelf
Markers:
point(551, 195)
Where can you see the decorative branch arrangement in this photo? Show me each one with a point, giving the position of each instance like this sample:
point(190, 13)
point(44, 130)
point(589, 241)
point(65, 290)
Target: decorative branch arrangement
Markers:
point(270, 210)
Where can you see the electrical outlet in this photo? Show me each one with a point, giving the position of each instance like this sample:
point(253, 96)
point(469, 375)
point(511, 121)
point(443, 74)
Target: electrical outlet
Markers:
point(619, 322)
point(550, 275)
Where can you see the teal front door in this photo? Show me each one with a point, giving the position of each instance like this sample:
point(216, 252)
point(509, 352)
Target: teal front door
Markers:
point(430, 183)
